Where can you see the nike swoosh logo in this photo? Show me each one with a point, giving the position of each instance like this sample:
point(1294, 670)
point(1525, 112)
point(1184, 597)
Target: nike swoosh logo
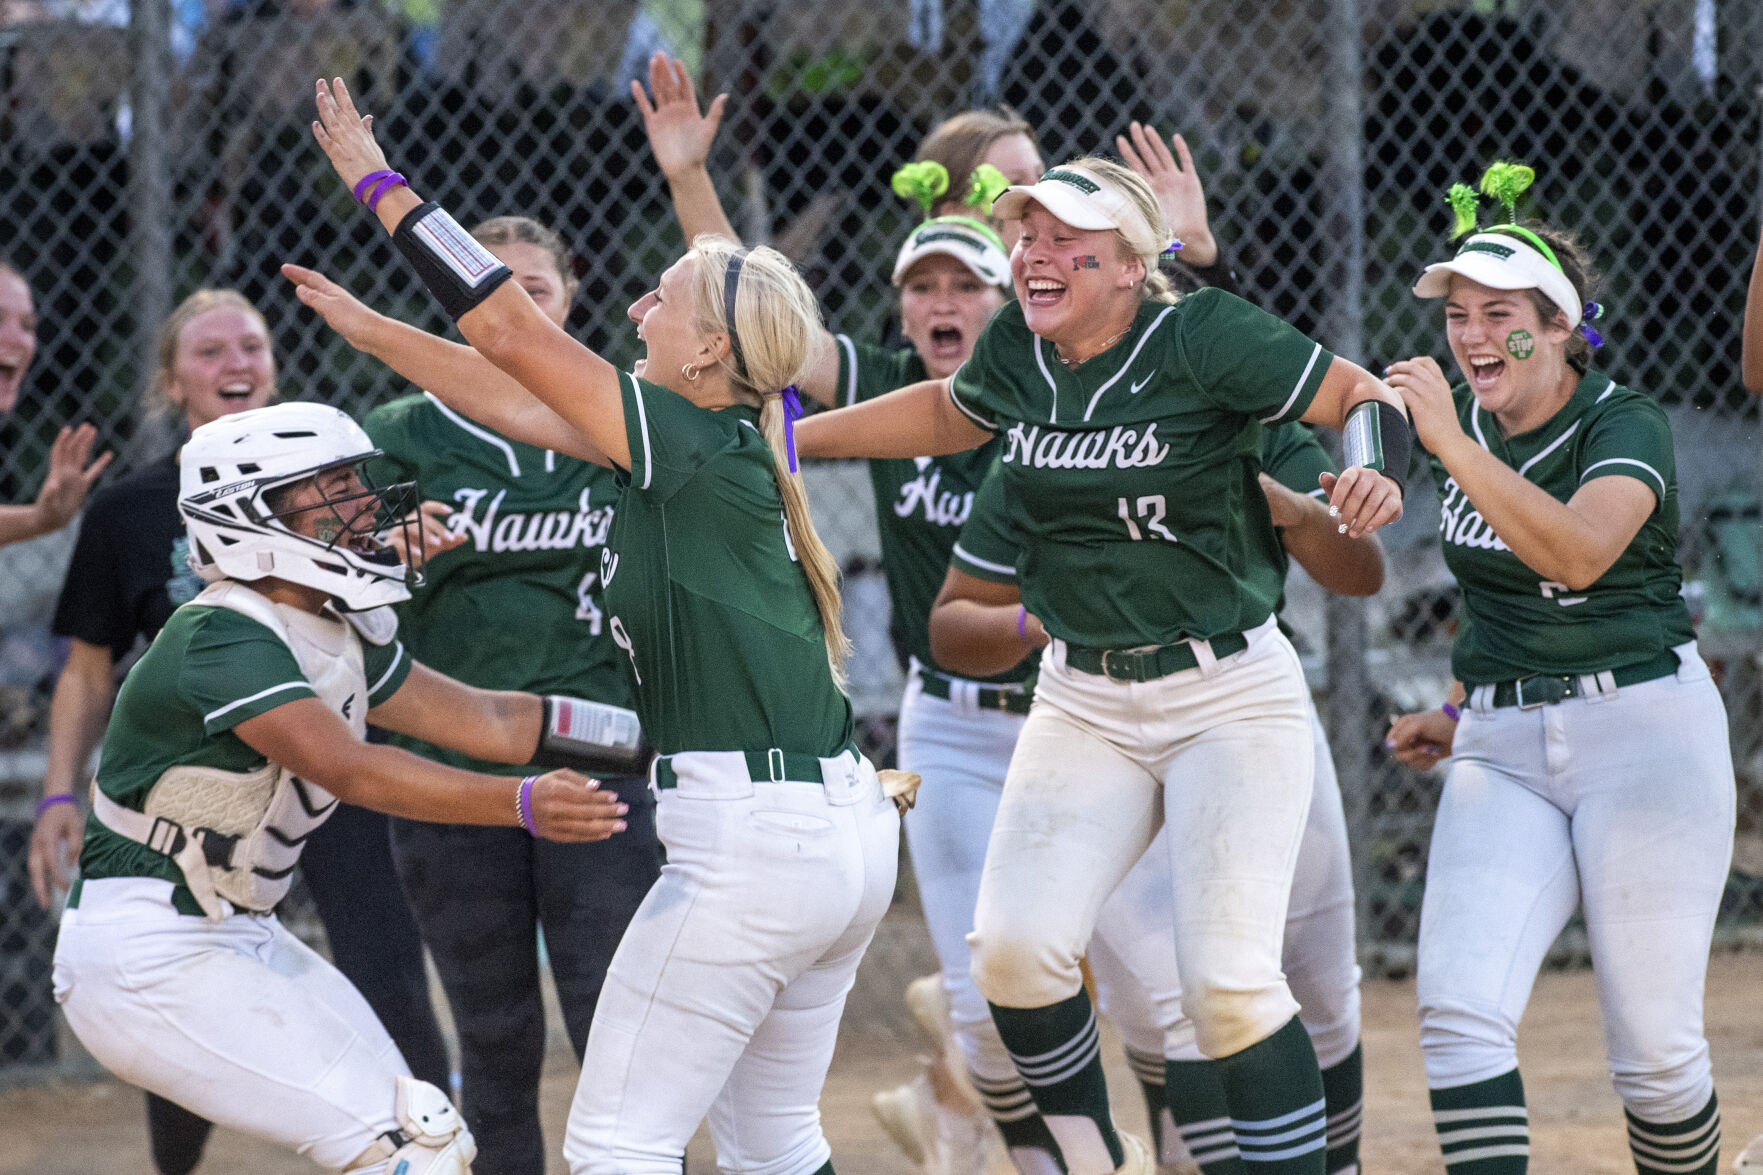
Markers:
point(1141, 383)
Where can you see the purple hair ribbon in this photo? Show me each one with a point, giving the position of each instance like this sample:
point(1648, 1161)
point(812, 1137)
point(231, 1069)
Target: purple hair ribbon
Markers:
point(1172, 247)
point(1592, 310)
point(792, 411)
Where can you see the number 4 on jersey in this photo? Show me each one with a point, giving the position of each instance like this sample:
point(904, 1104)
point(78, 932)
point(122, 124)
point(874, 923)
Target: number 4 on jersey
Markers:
point(1150, 513)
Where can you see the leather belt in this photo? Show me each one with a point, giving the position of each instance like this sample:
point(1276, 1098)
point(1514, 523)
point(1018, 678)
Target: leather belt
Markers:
point(1150, 663)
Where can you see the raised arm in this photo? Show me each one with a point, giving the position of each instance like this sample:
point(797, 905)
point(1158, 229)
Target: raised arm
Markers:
point(64, 488)
point(919, 420)
point(1360, 499)
point(680, 136)
point(457, 375)
point(505, 327)
point(1572, 543)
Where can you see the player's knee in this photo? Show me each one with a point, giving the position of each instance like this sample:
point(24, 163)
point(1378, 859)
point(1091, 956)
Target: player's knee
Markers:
point(1465, 1041)
point(431, 1138)
point(802, 1154)
point(1228, 1019)
point(1331, 1017)
point(1015, 971)
point(1664, 1090)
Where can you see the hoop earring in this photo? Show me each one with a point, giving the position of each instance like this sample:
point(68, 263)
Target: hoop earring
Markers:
point(690, 371)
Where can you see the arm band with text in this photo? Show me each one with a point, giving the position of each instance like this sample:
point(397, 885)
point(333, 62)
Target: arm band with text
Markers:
point(1377, 436)
point(590, 736)
point(458, 271)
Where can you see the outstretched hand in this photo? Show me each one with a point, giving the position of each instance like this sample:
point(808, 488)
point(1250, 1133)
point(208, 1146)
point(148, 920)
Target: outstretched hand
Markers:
point(345, 135)
point(69, 476)
point(342, 311)
point(1177, 187)
point(679, 135)
point(571, 807)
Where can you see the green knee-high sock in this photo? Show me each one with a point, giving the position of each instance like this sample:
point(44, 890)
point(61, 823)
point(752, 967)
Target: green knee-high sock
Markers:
point(1196, 1100)
point(1057, 1051)
point(1343, 1091)
point(1689, 1147)
point(1274, 1092)
point(1148, 1068)
point(1483, 1127)
point(1010, 1106)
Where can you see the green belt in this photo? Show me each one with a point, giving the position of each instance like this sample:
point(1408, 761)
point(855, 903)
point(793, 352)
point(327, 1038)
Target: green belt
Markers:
point(772, 766)
point(1148, 664)
point(986, 697)
point(1528, 693)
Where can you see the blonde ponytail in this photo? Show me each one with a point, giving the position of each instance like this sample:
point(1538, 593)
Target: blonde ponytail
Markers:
point(776, 320)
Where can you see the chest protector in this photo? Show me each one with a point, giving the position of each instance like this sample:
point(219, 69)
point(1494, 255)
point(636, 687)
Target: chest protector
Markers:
point(238, 835)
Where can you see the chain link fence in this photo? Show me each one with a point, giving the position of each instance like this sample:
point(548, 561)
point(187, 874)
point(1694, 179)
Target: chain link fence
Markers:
point(150, 149)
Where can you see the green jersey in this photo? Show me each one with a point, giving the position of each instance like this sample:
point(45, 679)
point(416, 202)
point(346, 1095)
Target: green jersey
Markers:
point(920, 502)
point(990, 542)
point(1514, 622)
point(704, 592)
point(209, 669)
point(1133, 478)
point(517, 605)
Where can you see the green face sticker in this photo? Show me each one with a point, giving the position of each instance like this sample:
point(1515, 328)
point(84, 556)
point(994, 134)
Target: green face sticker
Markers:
point(328, 529)
point(1519, 344)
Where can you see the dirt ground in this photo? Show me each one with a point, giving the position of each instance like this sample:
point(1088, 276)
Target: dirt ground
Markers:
point(1576, 1121)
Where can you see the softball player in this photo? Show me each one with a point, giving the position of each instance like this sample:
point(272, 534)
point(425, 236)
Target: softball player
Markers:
point(1750, 1160)
point(976, 616)
point(1132, 435)
point(534, 523)
point(233, 739)
point(724, 997)
point(1590, 764)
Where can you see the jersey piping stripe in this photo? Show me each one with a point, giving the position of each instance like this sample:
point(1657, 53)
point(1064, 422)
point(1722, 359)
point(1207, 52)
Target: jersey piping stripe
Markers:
point(1481, 438)
point(397, 659)
point(1625, 461)
point(1315, 351)
point(642, 428)
point(1609, 386)
point(258, 696)
point(988, 425)
point(1550, 448)
point(488, 438)
point(984, 564)
point(1041, 362)
point(1137, 347)
point(850, 350)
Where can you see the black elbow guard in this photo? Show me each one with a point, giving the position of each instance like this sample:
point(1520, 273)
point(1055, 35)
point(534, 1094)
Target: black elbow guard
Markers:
point(592, 737)
point(1378, 437)
point(458, 271)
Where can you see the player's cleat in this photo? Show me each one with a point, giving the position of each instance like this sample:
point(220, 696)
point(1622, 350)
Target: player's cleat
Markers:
point(960, 1143)
point(929, 1005)
point(906, 1112)
point(1750, 1160)
point(1139, 1160)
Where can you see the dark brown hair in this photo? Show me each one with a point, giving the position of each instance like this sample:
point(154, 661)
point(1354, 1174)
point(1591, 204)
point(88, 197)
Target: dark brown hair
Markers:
point(1578, 268)
point(960, 143)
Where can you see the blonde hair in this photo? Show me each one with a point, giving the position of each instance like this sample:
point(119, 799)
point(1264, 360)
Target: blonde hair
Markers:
point(524, 230)
point(1129, 183)
point(186, 312)
point(776, 320)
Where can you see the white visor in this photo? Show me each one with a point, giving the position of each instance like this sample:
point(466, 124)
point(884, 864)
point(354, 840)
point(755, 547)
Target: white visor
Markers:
point(1082, 199)
point(1502, 262)
point(967, 241)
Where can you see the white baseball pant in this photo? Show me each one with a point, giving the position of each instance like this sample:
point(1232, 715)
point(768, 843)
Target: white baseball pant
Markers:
point(724, 996)
point(1620, 804)
point(1222, 754)
point(238, 1021)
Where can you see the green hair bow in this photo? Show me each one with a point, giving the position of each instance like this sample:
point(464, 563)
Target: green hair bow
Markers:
point(923, 181)
point(1503, 181)
point(987, 185)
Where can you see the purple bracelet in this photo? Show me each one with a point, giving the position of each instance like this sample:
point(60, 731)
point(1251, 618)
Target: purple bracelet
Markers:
point(372, 177)
point(51, 801)
point(523, 804)
point(1022, 621)
point(1451, 711)
point(381, 188)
